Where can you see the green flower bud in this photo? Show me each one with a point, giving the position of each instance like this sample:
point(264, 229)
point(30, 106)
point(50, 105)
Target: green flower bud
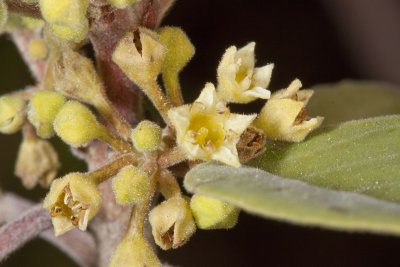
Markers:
point(146, 136)
point(134, 252)
point(180, 49)
point(38, 49)
point(76, 124)
point(12, 114)
point(211, 213)
point(131, 185)
point(172, 223)
point(42, 110)
point(69, 13)
point(69, 34)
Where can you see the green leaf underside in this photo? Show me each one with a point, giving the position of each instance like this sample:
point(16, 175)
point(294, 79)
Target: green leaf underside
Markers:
point(359, 156)
point(265, 194)
point(351, 100)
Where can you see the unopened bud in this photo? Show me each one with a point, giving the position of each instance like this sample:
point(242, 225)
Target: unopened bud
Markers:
point(140, 54)
point(131, 185)
point(37, 161)
point(172, 223)
point(76, 124)
point(146, 136)
point(38, 49)
point(69, 13)
point(42, 110)
point(121, 3)
point(12, 114)
point(134, 252)
point(69, 34)
point(180, 49)
point(211, 213)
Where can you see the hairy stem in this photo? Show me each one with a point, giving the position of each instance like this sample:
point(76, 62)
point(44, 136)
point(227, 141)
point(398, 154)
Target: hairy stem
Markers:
point(111, 169)
point(171, 157)
point(15, 234)
point(160, 101)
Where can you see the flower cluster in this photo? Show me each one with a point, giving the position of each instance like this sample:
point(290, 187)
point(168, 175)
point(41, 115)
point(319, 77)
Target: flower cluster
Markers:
point(71, 102)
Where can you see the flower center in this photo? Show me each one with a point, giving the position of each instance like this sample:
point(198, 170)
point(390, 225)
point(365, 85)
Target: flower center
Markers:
point(209, 130)
point(77, 212)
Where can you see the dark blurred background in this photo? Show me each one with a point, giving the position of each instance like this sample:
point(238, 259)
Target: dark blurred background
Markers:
point(316, 41)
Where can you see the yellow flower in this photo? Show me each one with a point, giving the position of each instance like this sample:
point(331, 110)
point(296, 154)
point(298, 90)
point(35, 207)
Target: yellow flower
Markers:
point(72, 200)
point(207, 130)
point(172, 223)
point(140, 55)
point(284, 117)
point(238, 80)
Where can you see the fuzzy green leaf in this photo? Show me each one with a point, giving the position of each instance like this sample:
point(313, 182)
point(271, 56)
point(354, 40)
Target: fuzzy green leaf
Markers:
point(359, 156)
point(265, 194)
point(351, 100)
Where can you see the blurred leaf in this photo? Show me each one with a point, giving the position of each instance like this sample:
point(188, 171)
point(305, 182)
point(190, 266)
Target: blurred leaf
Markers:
point(351, 100)
point(265, 194)
point(359, 156)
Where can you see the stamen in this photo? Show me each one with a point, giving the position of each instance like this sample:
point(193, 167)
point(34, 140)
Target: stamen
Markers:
point(55, 211)
point(74, 220)
point(302, 116)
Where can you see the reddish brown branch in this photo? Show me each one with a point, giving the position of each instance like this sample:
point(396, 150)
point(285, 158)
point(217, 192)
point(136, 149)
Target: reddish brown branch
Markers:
point(25, 9)
point(16, 233)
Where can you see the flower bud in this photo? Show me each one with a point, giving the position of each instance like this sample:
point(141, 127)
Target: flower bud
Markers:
point(140, 54)
point(38, 49)
point(72, 201)
point(42, 110)
point(12, 114)
point(69, 13)
point(134, 252)
point(211, 213)
point(180, 49)
point(37, 161)
point(172, 223)
point(121, 3)
point(69, 34)
point(131, 185)
point(76, 124)
point(75, 76)
point(285, 118)
point(146, 136)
